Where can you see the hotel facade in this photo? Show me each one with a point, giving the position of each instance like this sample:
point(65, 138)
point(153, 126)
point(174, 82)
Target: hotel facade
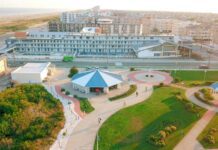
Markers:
point(49, 43)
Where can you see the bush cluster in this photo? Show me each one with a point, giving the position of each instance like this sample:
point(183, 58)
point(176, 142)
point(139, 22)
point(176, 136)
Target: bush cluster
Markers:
point(30, 117)
point(73, 71)
point(207, 94)
point(200, 98)
point(188, 105)
point(209, 137)
point(132, 69)
point(159, 139)
point(85, 105)
point(132, 89)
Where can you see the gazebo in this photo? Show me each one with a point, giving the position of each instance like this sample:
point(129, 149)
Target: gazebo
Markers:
point(96, 80)
point(214, 87)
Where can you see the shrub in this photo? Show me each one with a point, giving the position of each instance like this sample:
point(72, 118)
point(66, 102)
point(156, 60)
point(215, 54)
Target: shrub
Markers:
point(210, 139)
point(85, 105)
point(196, 83)
point(161, 84)
point(73, 71)
point(168, 129)
point(189, 106)
point(159, 139)
point(132, 69)
point(162, 134)
point(132, 89)
point(198, 96)
point(177, 80)
point(173, 128)
point(62, 90)
point(67, 93)
point(207, 94)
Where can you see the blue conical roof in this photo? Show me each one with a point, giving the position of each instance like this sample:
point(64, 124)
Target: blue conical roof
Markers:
point(96, 78)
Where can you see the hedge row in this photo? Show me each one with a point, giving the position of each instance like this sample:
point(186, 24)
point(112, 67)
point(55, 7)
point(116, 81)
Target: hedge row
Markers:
point(85, 105)
point(132, 89)
point(198, 96)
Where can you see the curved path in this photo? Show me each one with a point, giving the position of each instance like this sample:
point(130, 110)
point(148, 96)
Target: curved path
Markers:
point(83, 136)
point(190, 140)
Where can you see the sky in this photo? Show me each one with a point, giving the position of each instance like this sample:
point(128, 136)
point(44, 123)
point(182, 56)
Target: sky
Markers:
point(147, 5)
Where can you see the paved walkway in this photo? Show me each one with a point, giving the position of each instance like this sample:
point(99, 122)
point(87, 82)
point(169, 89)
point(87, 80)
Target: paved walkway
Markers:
point(190, 142)
point(71, 120)
point(83, 136)
point(75, 101)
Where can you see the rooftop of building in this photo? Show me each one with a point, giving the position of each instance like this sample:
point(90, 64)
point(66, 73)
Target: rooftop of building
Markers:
point(97, 78)
point(32, 68)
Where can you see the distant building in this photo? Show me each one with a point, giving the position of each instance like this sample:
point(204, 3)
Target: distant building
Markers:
point(199, 33)
point(49, 43)
point(3, 64)
point(31, 73)
point(106, 28)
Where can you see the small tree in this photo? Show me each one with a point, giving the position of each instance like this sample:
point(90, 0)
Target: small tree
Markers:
point(73, 71)
point(67, 93)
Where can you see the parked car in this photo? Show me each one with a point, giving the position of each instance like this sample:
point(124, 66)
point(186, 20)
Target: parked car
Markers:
point(203, 66)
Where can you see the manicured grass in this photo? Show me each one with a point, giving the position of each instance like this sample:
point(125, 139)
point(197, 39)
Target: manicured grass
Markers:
point(213, 124)
point(130, 128)
point(188, 75)
point(132, 89)
point(194, 77)
point(85, 105)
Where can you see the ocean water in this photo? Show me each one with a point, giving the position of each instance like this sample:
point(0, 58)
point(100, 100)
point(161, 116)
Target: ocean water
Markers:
point(4, 12)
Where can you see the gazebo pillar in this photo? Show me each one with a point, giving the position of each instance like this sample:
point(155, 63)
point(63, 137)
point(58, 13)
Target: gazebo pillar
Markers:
point(106, 90)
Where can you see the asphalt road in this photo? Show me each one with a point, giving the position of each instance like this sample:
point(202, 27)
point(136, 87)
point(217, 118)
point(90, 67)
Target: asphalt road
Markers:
point(126, 63)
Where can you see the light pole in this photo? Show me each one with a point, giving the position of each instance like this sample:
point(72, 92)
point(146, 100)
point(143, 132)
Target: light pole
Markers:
point(205, 73)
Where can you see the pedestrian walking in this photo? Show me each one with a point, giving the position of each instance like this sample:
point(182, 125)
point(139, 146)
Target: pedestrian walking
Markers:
point(137, 93)
point(124, 104)
point(99, 120)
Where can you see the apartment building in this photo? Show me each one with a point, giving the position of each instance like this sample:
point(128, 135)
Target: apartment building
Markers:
point(88, 44)
point(199, 33)
point(106, 26)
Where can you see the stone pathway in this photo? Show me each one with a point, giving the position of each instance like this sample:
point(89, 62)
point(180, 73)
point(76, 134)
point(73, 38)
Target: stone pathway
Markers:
point(83, 136)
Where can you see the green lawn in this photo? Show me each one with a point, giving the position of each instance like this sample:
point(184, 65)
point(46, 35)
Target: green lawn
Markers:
point(213, 124)
point(129, 128)
point(189, 76)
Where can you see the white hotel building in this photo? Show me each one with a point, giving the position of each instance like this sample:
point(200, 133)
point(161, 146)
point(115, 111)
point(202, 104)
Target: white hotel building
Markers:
point(83, 44)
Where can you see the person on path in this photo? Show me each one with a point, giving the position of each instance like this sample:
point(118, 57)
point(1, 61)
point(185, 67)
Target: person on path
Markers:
point(124, 104)
point(137, 93)
point(99, 120)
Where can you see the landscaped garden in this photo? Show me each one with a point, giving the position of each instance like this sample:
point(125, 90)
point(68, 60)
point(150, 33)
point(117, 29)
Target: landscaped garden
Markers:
point(157, 123)
point(205, 95)
point(30, 118)
point(209, 137)
point(85, 105)
point(132, 89)
point(195, 78)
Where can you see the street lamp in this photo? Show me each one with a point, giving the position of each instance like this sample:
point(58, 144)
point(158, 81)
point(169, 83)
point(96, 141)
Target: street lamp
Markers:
point(205, 73)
